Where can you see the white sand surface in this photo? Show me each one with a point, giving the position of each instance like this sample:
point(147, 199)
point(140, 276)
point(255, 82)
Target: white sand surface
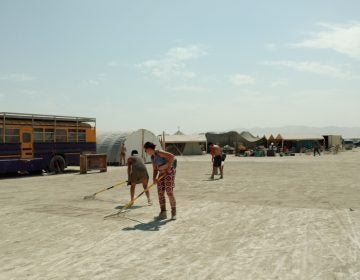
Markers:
point(269, 218)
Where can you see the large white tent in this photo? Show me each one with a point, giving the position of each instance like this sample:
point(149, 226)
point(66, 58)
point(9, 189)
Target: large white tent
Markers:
point(109, 143)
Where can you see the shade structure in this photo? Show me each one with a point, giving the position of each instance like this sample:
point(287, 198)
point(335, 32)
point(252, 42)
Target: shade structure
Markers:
point(110, 142)
point(181, 144)
point(233, 139)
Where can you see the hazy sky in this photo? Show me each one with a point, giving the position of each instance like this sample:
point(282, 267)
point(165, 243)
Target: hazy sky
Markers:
point(198, 65)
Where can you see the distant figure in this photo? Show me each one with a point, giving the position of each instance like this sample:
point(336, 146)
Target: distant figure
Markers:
point(316, 148)
point(137, 174)
point(285, 149)
point(216, 153)
point(122, 154)
point(273, 146)
point(164, 164)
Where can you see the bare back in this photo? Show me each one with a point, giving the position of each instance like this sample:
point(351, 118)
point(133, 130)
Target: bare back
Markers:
point(215, 150)
point(136, 169)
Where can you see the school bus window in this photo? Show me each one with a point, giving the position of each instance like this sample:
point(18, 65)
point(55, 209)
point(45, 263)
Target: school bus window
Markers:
point(72, 135)
point(12, 135)
point(26, 137)
point(49, 135)
point(38, 135)
point(61, 135)
point(82, 135)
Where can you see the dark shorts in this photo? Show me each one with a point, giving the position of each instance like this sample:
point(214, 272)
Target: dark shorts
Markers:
point(137, 176)
point(217, 161)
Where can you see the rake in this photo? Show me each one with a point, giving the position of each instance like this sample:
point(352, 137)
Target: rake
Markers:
point(131, 202)
point(108, 188)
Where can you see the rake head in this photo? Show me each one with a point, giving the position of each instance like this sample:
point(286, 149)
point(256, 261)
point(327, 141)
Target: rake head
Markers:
point(120, 213)
point(87, 197)
point(113, 215)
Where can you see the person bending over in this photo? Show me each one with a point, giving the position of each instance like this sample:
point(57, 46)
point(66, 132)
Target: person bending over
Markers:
point(137, 174)
point(216, 153)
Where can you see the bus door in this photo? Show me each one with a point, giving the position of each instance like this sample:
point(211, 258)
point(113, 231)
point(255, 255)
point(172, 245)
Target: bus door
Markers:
point(26, 143)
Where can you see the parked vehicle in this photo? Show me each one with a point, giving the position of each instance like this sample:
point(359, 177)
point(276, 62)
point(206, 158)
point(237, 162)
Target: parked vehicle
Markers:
point(228, 149)
point(33, 143)
point(348, 144)
point(357, 143)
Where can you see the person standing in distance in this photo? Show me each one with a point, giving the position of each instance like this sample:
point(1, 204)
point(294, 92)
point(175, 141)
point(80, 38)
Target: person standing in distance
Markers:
point(122, 154)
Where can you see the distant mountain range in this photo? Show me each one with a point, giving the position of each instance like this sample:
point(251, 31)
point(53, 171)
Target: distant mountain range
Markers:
point(345, 132)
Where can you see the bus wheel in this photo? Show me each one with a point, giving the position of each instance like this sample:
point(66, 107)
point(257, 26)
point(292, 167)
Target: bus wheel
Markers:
point(57, 164)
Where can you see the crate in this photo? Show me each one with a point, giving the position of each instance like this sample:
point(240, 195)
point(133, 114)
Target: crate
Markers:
point(93, 162)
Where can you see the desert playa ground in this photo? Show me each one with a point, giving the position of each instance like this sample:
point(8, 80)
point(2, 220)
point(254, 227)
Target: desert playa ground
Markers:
point(269, 218)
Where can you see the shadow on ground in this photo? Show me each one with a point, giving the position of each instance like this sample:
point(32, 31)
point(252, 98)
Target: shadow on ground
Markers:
point(153, 225)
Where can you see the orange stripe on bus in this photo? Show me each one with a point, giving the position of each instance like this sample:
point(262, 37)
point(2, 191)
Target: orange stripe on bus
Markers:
point(10, 156)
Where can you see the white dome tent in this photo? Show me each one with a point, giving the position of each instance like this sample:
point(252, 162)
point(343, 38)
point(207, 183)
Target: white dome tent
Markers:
point(109, 143)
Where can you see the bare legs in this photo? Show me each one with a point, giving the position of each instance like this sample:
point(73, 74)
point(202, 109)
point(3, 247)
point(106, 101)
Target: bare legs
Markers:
point(214, 172)
point(145, 184)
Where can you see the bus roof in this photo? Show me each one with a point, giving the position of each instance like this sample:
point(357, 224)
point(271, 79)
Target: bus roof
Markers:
point(39, 117)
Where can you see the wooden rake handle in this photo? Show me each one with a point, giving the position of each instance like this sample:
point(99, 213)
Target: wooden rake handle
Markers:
point(131, 202)
point(108, 188)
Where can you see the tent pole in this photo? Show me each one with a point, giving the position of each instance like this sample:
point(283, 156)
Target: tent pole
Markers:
point(163, 141)
point(142, 144)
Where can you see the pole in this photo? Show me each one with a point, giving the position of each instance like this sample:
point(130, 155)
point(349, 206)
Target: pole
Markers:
point(163, 141)
point(142, 144)
point(4, 126)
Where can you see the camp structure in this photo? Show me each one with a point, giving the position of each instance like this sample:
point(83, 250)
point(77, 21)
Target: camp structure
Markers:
point(269, 139)
point(298, 143)
point(251, 141)
point(235, 139)
point(332, 141)
point(109, 144)
point(181, 144)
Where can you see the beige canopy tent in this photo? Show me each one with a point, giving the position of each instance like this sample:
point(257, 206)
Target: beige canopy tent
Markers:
point(181, 144)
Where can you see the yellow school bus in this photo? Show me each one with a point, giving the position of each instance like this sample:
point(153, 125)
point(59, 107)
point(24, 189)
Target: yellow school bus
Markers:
point(33, 142)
